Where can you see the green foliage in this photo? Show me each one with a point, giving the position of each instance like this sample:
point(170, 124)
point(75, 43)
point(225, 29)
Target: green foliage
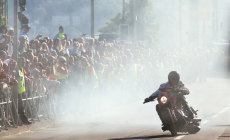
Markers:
point(43, 11)
point(139, 17)
point(112, 24)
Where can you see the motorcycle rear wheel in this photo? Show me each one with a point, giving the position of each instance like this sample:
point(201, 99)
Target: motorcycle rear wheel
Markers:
point(193, 129)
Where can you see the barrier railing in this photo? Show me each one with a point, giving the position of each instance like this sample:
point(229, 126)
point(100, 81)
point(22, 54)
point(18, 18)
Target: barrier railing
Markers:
point(37, 103)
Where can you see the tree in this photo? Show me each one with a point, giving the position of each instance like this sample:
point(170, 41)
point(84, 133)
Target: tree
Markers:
point(139, 17)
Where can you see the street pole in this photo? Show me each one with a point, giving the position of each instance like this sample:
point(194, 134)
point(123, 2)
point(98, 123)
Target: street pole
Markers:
point(15, 50)
point(15, 57)
point(123, 11)
point(180, 23)
point(134, 20)
point(92, 18)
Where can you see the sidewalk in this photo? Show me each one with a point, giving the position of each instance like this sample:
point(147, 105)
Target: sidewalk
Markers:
point(27, 128)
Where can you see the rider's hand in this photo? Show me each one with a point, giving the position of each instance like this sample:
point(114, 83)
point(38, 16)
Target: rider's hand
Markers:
point(181, 91)
point(147, 100)
point(176, 89)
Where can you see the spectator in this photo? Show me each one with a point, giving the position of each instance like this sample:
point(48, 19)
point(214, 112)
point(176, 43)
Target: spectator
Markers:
point(10, 45)
point(44, 47)
point(57, 45)
point(4, 38)
point(60, 34)
point(61, 71)
point(22, 44)
point(21, 90)
point(3, 55)
point(24, 32)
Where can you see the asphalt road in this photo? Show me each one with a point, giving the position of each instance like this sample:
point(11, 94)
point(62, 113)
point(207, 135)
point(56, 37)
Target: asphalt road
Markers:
point(136, 121)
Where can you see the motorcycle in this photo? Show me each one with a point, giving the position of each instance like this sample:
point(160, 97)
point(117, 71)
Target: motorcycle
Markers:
point(174, 116)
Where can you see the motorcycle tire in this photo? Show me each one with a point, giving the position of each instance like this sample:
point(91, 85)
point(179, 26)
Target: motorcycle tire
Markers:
point(193, 129)
point(170, 122)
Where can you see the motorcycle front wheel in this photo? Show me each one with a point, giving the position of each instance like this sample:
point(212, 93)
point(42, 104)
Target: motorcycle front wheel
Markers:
point(169, 121)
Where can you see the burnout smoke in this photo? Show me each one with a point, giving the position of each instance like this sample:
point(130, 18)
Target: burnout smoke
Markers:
point(89, 68)
point(200, 60)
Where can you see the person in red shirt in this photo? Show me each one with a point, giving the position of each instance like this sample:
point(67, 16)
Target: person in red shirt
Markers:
point(4, 77)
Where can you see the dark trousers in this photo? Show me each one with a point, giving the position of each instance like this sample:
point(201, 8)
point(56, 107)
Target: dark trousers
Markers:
point(182, 100)
point(20, 105)
point(21, 109)
point(158, 109)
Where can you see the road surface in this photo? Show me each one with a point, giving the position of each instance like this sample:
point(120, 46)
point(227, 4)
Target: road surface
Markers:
point(137, 121)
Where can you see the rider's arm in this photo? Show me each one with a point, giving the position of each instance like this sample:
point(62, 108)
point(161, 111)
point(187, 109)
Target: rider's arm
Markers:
point(155, 94)
point(152, 97)
point(183, 89)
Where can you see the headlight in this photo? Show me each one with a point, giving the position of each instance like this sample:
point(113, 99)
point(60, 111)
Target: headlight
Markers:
point(164, 99)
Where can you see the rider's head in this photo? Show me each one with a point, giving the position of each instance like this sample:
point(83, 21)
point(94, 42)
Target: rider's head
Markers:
point(173, 78)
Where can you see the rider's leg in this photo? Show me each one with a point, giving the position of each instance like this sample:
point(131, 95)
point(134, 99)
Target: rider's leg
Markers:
point(158, 109)
point(186, 107)
point(158, 112)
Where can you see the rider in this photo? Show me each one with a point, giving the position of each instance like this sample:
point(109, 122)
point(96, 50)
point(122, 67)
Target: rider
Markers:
point(174, 84)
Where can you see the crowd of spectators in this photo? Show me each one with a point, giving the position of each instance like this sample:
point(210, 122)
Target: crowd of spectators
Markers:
point(85, 62)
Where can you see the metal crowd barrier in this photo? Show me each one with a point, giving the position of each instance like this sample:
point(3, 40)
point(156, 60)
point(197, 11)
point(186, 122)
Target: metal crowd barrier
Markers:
point(37, 103)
